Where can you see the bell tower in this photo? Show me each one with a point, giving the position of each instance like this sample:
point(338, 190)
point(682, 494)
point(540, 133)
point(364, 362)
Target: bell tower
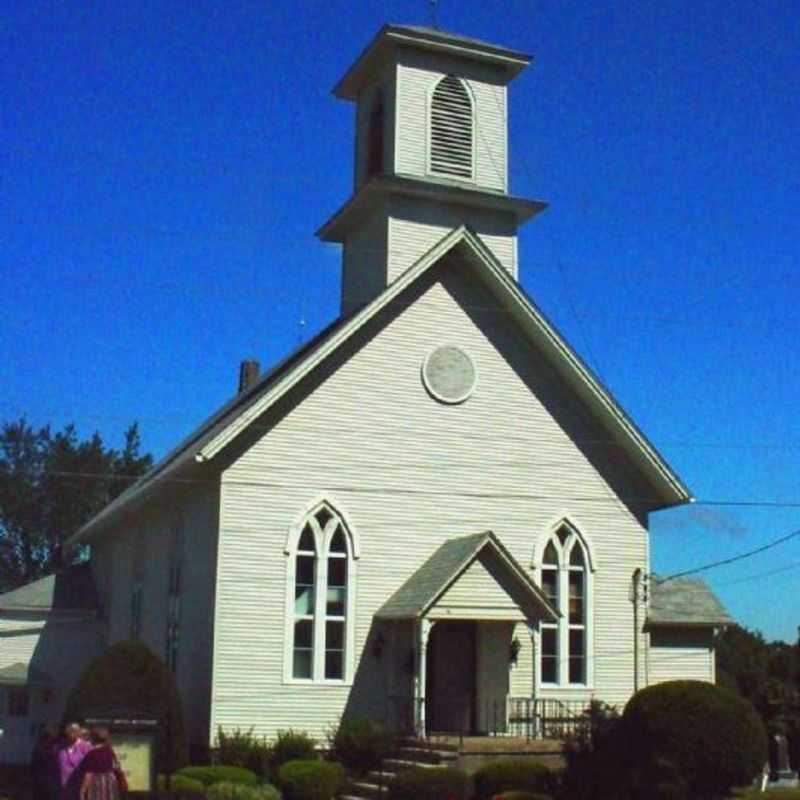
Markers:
point(431, 154)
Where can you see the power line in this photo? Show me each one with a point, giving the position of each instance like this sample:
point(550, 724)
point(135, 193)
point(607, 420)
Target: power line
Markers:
point(134, 479)
point(759, 575)
point(405, 430)
point(732, 559)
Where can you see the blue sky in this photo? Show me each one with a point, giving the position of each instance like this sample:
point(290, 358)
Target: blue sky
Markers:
point(165, 166)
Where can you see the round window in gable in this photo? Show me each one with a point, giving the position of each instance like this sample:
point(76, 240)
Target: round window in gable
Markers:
point(449, 374)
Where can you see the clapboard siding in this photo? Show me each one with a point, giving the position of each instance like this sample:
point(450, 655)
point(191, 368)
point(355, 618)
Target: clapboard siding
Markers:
point(476, 588)
point(197, 511)
point(415, 227)
point(408, 474)
point(384, 82)
point(417, 75)
point(681, 655)
point(364, 262)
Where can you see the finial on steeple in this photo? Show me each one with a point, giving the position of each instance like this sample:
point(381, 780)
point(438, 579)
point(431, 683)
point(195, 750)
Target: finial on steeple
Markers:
point(434, 4)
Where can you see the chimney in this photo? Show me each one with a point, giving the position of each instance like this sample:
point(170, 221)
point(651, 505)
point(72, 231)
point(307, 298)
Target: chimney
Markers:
point(248, 374)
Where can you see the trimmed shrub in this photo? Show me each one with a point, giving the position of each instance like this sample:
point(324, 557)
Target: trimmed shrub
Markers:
point(360, 744)
point(712, 736)
point(211, 775)
point(508, 774)
point(291, 746)
point(130, 675)
point(310, 780)
point(237, 791)
point(180, 783)
point(429, 783)
point(240, 748)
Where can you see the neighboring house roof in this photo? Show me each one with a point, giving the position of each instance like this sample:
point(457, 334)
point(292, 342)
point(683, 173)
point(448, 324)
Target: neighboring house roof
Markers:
point(511, 62)
point(70, 590)
point(421, 591)
point(685, 602)
point(237, 415)
point(19, 674)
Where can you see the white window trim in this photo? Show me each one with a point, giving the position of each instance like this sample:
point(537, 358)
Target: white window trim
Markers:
point(429, 171)
point(564, 686)
point(322, 541)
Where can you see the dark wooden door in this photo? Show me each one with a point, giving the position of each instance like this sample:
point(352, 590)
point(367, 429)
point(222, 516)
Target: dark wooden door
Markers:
point(450, 678)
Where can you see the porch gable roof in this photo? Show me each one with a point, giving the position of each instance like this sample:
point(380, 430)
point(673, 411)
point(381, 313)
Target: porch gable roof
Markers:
point(415, 598)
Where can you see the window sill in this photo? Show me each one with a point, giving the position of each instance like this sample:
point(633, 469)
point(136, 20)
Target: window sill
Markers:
point(570, 687)
point(311, 682)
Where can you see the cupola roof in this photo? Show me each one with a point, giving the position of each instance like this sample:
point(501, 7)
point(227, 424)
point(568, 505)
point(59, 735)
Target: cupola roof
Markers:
point(390, 37)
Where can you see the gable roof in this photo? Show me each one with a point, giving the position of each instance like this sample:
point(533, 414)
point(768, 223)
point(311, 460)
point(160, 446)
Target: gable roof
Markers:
point(685, 602)
point(237, 415)
point(70, 590)
point(421, 591)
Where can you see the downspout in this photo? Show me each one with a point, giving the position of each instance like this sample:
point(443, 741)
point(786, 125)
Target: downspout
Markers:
point(637, 577)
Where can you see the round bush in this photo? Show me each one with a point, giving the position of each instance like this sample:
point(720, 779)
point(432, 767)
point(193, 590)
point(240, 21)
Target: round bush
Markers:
point(508, 774)
point(180, 783)
point(310, 780)
point(291, 746)
point(238, 791)
point(429, 783)
point(219, 774)
point(130, 676)
point(712, 736)
point(361, 745)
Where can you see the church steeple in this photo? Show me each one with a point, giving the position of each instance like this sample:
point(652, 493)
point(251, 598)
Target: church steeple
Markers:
point(431, 154)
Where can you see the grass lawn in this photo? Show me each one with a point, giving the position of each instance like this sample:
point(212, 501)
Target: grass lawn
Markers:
point(771, 794)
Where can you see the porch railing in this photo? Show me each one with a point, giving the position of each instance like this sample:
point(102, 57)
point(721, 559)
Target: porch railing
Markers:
point(545, 718)
point(518, 717)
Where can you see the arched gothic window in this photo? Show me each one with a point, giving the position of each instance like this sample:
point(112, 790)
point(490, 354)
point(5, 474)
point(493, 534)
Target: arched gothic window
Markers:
point(564, 645)
point(451, 129)
point(322, 615)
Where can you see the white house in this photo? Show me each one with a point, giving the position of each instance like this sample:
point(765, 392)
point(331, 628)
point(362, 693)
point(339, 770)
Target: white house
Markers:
point(433, 513)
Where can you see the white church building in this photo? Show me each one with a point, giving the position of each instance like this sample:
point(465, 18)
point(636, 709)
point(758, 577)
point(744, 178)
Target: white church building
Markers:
point(433, 514)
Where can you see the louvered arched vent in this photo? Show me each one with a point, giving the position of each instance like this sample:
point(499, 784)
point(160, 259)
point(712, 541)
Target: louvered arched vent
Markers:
point(451, 128)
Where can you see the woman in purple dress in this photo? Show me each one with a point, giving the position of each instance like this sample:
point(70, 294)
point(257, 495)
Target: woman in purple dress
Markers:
point(100, 769)
point(70, 758)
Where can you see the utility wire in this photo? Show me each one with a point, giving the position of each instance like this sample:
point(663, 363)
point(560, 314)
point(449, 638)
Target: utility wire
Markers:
point(732, 559)
point(403, 430)
point(450, 493)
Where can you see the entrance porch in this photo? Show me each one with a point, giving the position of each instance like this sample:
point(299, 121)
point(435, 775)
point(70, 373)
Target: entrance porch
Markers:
point(460, 610)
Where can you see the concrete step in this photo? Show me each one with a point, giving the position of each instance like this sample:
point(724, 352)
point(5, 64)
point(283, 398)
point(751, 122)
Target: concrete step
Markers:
point(367, 791)
point(425, 755)
point(381, 778)
point(401, 764)
point(424, 744)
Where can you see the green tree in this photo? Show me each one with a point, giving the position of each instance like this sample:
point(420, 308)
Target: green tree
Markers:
point(50, 485)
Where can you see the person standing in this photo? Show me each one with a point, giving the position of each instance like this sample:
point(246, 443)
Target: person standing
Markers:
point(70, 758)
point(44, 765)
point(100, 769)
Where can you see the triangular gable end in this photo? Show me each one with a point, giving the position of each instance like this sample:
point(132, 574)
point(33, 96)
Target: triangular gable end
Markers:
point(213, 437)
point(668, 489)
point(486, 590)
